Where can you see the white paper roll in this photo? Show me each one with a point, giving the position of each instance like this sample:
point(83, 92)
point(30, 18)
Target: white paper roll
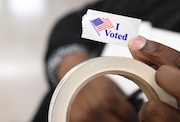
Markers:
point(76, 78)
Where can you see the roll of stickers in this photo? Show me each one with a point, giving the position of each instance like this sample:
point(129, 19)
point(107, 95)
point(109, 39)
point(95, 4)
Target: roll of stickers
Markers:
point(76, 78)
point(107, 28)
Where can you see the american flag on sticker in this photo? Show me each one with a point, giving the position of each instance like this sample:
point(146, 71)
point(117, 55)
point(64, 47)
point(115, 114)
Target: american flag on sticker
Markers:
point(101, 24)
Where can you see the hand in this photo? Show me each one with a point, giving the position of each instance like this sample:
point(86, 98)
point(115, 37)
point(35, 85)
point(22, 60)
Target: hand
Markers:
point(167, 62)
point(101, 100)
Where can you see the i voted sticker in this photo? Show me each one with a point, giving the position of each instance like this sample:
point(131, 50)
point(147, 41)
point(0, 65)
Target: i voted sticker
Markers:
point(109, 28)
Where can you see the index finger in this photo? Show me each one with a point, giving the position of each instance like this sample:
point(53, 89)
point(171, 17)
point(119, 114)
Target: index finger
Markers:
point(153, 53)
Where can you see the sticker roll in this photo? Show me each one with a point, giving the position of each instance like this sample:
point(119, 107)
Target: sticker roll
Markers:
point(77, 77)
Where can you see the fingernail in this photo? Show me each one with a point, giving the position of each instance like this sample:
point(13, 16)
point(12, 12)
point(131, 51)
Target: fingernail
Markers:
point(136, 43)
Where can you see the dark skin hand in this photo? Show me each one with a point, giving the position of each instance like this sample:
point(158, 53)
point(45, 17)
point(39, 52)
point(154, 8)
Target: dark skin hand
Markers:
point(167, 62)
point(101, 100)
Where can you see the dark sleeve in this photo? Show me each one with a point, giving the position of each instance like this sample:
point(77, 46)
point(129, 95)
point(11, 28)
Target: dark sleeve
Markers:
point(163, 14)
point(68, 31)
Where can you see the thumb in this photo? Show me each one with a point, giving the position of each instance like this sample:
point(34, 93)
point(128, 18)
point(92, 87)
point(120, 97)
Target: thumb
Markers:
point(153, 53)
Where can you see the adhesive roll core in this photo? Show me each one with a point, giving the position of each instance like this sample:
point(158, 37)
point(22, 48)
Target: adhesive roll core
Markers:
point(80, 75)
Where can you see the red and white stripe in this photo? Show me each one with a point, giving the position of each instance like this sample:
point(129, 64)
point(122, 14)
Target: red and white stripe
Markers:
point(106, 24)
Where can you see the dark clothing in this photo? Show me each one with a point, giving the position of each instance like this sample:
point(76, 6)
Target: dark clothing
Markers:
point(163, 14)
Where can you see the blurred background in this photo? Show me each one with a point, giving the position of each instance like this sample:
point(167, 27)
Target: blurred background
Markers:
point(25, 26)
